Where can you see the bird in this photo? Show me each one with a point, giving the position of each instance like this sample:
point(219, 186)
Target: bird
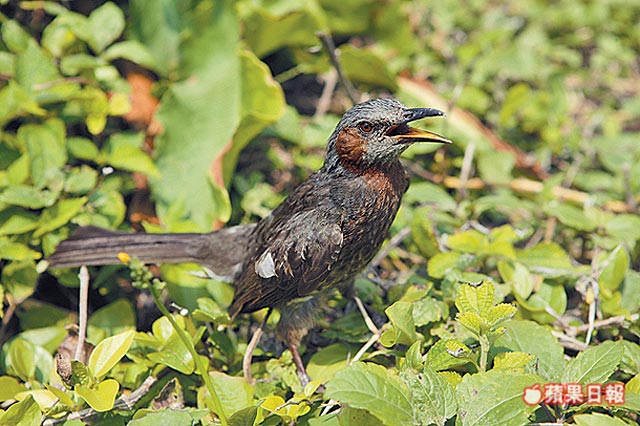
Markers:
point(324, 233)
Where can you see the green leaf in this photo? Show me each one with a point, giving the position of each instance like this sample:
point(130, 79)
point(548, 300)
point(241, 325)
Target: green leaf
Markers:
point(124, 151)
point(624, 227)
point(18, 278)
point(81, 180)
point(500, 313)
point(235, 393)
point(14, 36)
point(548, 259)
point(617, 264)
point(597, 419)
point(111, 319)
point(518, 277)
point(440, 355)
point(175, 355)
point(440, 264)
point(22, 356)
point(365, 66)
point(102, 397)
point(494, 398)
point(82, 148)
point(594, 365)
point(10, 387)
point(325, 363)
point(348, 416)
point(19, 222)
point(471, 321)
point(23, 413)
point(28, 196)
point(34, 67)
point(59, 215)
point(130, 50)
point(245, 417)
point(432, 397)
point(429, 193)
point(470, 241)
point(16, 102)
point(46, 149)
point(165, 417)
point(404, 329)
point(109, 352)
point(196, 130)
point(570, 216)
point(373, 388)
point(532, 338)
point(475, 298)
point(106, 23)
point(513, 360)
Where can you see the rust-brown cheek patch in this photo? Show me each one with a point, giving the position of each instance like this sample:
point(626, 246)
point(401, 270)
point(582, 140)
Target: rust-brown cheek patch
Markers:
point(351, 147)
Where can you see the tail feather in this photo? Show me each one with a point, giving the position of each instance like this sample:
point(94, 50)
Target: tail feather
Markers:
point(222, 251)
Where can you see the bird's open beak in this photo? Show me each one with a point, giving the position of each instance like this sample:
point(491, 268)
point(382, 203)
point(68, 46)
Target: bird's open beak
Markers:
point(406, 134)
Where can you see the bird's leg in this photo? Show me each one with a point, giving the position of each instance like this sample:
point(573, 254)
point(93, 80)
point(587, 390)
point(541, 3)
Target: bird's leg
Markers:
point(302, 372)
point(253, 343)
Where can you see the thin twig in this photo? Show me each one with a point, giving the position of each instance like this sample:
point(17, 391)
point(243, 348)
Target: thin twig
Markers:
point(248, 353)
point(465, 170)
point(330, 82)
point(83, 305)
point(618, 320)
point(393, 243)
point(365, 315)
point(327, 43)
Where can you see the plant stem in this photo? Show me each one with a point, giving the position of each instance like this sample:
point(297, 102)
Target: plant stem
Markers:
point(212, 401)
point(484, 351)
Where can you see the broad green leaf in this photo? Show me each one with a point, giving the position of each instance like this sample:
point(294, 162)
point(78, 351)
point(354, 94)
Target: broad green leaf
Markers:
point(23, 413)
point(131, 50)
point(432, 397)
point(164, 417)
point(19, 222)
point(631, 292)
point(429, 193)
point(106, 23)
point(404, 329)
point(348, 416)
point(373, 388)
point(365, 66)
point(14, 36)
point(495, 167)
point(617, 264)
point(235, 393)
point(518, 277)
point(531, 338)
point(625, 227)
point(428, 310)
point(570, 216)
point(175, 355)
point(631, 358)
point(471, 321)
point(10, 387)
point(594, 365)
point(80, 375)
point(16, 102)
point(597, 419)
point(114, 318)
point(324, 364)
point(82, 148)
point(500, 313)
point(45, 146)
point(124, 151)
point(548, 259)
point(513, 360)
point(62, 396)
point(494, 398)
point(43, 397)
point(441, 263)
point(34, 67)
point(209, 310)
point(108, 352)
point(288, 412)
point(470, 241)
point(18, 277)
point(28, 196)
point(81, 180)
point(59, 215)
point(244, 417)
point(548, 295)
point(475, 298)
point(439, 356)
point(102, 397)
point(22, 355)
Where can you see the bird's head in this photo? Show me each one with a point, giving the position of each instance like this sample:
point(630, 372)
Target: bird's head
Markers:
point(376, 132)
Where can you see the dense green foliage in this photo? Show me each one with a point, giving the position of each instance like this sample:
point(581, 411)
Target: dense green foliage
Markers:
point(505, 270)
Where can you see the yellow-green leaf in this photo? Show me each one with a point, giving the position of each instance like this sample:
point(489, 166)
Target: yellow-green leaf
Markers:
point(108, 352)
point(102, 397)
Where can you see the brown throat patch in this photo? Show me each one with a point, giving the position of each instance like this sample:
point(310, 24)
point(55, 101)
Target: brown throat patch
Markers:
point(351, 147)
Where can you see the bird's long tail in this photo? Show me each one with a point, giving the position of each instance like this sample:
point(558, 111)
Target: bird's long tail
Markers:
point(221, 251)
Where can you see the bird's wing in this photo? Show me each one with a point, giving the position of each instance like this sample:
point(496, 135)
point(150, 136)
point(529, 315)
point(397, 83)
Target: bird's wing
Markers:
point(302, 252)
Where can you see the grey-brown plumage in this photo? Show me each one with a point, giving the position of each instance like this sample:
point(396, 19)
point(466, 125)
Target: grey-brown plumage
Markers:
point(325, 232)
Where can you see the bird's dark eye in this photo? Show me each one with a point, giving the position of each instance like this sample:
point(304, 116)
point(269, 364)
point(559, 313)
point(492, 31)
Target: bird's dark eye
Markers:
point(365, 126)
